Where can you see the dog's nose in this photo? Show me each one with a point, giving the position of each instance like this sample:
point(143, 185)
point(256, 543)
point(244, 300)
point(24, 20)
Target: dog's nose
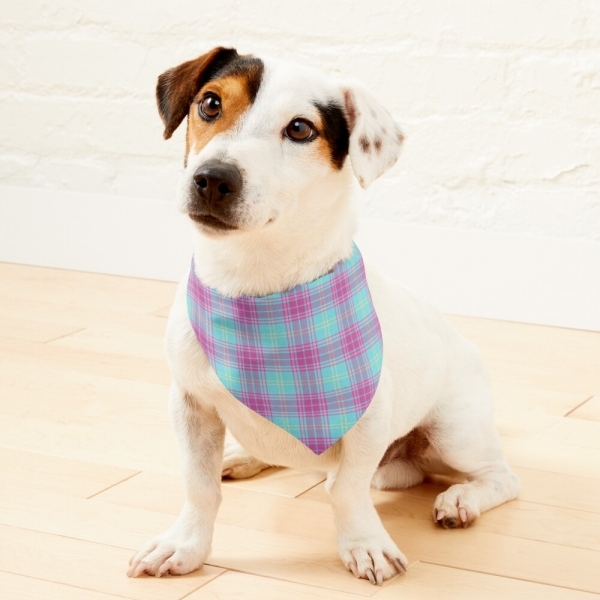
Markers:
point(218, 182)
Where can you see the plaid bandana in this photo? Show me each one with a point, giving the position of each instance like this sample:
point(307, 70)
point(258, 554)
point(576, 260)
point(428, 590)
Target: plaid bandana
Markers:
point(308, 359)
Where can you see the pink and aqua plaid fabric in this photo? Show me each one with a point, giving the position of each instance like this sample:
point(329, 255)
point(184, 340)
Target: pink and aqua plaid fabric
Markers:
point(308, 359)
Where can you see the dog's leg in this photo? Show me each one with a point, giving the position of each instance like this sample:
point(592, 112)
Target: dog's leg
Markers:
point(186, 544)
point(364, 545)
point(238, 464)
point(468, 442)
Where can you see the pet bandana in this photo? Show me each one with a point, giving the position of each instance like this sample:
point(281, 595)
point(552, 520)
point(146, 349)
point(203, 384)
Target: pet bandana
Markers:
point(308, 359)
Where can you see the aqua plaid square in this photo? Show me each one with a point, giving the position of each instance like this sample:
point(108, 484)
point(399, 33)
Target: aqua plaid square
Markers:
point(280, 383)
point(273, 335)
point(325, 324)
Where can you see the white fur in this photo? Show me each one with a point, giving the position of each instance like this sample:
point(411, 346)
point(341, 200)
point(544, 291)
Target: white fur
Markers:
point(295, 223)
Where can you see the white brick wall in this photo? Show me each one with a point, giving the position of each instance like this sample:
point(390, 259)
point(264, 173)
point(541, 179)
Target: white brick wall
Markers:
point(500, 100)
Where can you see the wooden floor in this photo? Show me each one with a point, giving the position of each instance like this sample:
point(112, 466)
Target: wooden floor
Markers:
point(89, 469)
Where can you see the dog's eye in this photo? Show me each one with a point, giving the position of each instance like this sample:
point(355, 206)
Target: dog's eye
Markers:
point(210, 107)
point(300, 130)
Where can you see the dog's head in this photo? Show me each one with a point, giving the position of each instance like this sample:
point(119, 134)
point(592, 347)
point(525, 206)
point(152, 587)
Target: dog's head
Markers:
point(265, 137)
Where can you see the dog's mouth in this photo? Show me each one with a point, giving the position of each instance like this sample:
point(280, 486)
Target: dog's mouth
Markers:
point(211, 222)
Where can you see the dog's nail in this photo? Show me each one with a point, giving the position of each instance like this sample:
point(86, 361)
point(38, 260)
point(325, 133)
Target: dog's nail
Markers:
point(354, 569)
point(226, 472)
point(371, 576)
point(399, 566)
point(379, 577)
point(440, 515)
point(463, 514)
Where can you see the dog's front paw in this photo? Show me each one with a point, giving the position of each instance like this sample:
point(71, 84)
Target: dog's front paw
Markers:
point(173, 553)
point(238, 464)
point(372, 559)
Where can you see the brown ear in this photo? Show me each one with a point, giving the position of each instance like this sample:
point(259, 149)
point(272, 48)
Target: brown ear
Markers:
point(177, 87)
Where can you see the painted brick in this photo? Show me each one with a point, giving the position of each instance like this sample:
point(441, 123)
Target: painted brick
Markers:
point(500, 101)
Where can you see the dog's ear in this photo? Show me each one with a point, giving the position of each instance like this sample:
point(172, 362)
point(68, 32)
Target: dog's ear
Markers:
point(177, 87)
point(375, 138)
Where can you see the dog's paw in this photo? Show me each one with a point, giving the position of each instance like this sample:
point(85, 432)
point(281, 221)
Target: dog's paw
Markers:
point(456, 507)
point(373, 560)
point(170, 554)
point(238, 464)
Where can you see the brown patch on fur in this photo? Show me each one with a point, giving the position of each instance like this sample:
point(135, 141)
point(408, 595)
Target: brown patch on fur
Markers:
point(333, 140)
point(177, 87)
point(236, 79)
point(364, 144)
point(377, 144)
point(235, 101)
point(350, 109)
point(410, 447)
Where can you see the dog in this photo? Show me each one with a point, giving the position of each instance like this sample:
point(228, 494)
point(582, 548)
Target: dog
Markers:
point(271, 149)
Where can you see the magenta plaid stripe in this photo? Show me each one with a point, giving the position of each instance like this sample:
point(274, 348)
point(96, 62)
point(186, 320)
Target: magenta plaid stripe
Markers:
point(308, 359)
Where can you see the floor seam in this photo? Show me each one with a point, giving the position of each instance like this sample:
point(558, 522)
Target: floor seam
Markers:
point(113, 485)
point(60, 337)
point(578, 406)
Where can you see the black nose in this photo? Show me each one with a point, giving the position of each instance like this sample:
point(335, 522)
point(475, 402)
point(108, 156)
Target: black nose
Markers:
point(218, 183)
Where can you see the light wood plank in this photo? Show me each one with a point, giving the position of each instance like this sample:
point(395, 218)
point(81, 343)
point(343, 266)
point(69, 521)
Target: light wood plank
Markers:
point(164, 493)
point(163, 312)
point(110, 340)
point(551, 456)
point(531, 402)
point(33, 330)
point(282, 482)
point(426, 582)
point(84, 361)
point(106, 292)
point(87, 565)
point(572, 432)
point(77, 316)
point(559, 489)
point(19, 470)
point(18, 587)
point(521, 423)
point(140, 446)
point(64, 395)
point(234, 586)
point(590, 410)
point(536, 356)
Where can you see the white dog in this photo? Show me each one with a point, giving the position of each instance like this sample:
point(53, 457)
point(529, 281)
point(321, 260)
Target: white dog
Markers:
point(271, 148)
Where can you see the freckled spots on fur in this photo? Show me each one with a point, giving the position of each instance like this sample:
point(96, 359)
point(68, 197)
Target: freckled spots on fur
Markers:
point(361, 180)
point(400, 137)
point(365, 144)
point(377, 144)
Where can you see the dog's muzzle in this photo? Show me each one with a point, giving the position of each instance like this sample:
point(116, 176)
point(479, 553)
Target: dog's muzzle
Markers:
point(216, 188)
